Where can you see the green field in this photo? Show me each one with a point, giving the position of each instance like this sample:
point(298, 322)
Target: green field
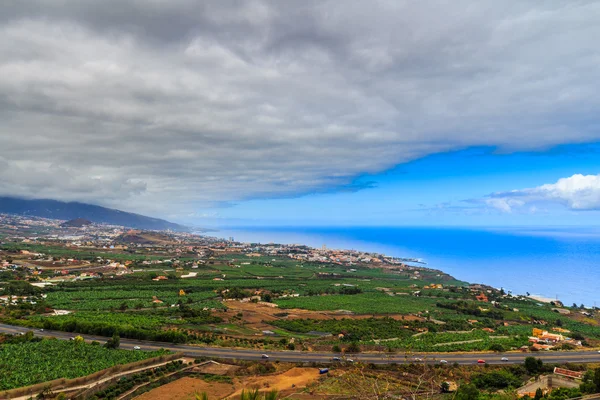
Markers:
point(29, 363)
point(124, 304)
point(365, 303)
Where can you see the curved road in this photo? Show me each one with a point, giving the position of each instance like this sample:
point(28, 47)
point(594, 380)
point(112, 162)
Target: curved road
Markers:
point(297, 356)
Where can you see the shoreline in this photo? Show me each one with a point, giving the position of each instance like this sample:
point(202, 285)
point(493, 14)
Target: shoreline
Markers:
point(503, 260)
point(417, 264)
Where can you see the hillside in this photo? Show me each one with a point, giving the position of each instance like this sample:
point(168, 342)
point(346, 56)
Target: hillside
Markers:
point(136, 237)
point(76, 223)
point(74, 210)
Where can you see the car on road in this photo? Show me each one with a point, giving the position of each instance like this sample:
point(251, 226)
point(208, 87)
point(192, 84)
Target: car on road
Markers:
point(264, 356)
point(349, 360)
point(336, 359)
point(137, 348)
point(504, 359)
point(480, 361)
point(417, 359)
point(443, 362)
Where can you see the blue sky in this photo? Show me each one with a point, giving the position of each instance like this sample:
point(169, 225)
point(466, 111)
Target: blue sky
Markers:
point(436, 190)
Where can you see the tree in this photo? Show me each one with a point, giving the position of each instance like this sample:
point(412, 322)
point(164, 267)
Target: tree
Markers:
point(336, 348)
point(250, 395)
point(533, 365)
point(539, 394)
point(201, 396)
point(267, 297)
point(577, 336)
point(272, 395)
point(497, 347)
point(445, 387)
point(588, 385)
point(558, 322)
point(467, 392)
point(596, 379)
point(114, 342)
point(495, 380)
point(353, 348)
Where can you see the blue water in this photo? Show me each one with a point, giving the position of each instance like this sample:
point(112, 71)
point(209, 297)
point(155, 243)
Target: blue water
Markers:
point(561, 263)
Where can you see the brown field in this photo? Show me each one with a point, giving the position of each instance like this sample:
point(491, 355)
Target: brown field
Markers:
point(256, 313)
point(299, 377)
point(216, 368)
point(184, 389)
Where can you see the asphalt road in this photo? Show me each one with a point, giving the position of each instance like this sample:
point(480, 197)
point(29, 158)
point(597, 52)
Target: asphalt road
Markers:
point(297, 356)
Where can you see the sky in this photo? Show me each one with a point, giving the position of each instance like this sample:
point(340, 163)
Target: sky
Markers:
point(225, 113)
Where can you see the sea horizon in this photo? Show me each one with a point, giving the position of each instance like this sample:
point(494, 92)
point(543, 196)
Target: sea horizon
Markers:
point(551, 262)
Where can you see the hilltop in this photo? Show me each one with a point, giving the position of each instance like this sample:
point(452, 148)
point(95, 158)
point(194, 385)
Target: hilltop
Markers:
point(74, 210)
point(76, 223)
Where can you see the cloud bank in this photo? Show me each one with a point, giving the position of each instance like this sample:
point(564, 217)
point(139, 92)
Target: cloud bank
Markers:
point(578, 192)
point(166, 107)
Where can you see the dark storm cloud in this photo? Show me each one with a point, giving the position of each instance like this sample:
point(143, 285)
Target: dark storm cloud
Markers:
point(156, 106)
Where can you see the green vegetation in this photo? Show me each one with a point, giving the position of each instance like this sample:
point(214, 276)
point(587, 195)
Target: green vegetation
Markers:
point(134, 325)
point(127, 383)
point(413, 309)
point(496, 380)
point(365, 303)
point(34, 362)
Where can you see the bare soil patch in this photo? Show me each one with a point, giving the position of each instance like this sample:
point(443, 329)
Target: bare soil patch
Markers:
point(216, 369)
point(257, 313)
point(184, 389)
point(291, 381)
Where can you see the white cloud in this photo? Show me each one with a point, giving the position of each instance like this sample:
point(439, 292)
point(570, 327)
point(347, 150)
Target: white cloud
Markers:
point(578, 192)
point(166, 107)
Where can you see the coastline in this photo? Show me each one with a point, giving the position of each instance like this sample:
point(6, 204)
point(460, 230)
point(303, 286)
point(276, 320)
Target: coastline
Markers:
point(547, 267)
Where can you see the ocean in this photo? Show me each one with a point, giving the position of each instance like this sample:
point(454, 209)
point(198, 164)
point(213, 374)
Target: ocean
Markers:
point(552, 263)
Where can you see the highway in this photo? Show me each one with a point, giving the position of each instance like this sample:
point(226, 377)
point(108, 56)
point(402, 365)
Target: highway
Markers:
point(590, 356)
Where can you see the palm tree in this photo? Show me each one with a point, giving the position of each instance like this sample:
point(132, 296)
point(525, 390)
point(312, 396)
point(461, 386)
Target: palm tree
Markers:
point(201, 396)
point(272, 395)
point(255, 395)
point(250, 395)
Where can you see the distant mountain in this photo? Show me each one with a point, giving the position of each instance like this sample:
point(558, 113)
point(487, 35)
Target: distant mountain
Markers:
point(73, 210)
point(76, 223)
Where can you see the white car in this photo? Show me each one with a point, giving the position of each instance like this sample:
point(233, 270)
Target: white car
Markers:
point(443, 362)
point(265, 356)
point(350, 360)
point(504, 359)
point(136, 347)
point(417, 359)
